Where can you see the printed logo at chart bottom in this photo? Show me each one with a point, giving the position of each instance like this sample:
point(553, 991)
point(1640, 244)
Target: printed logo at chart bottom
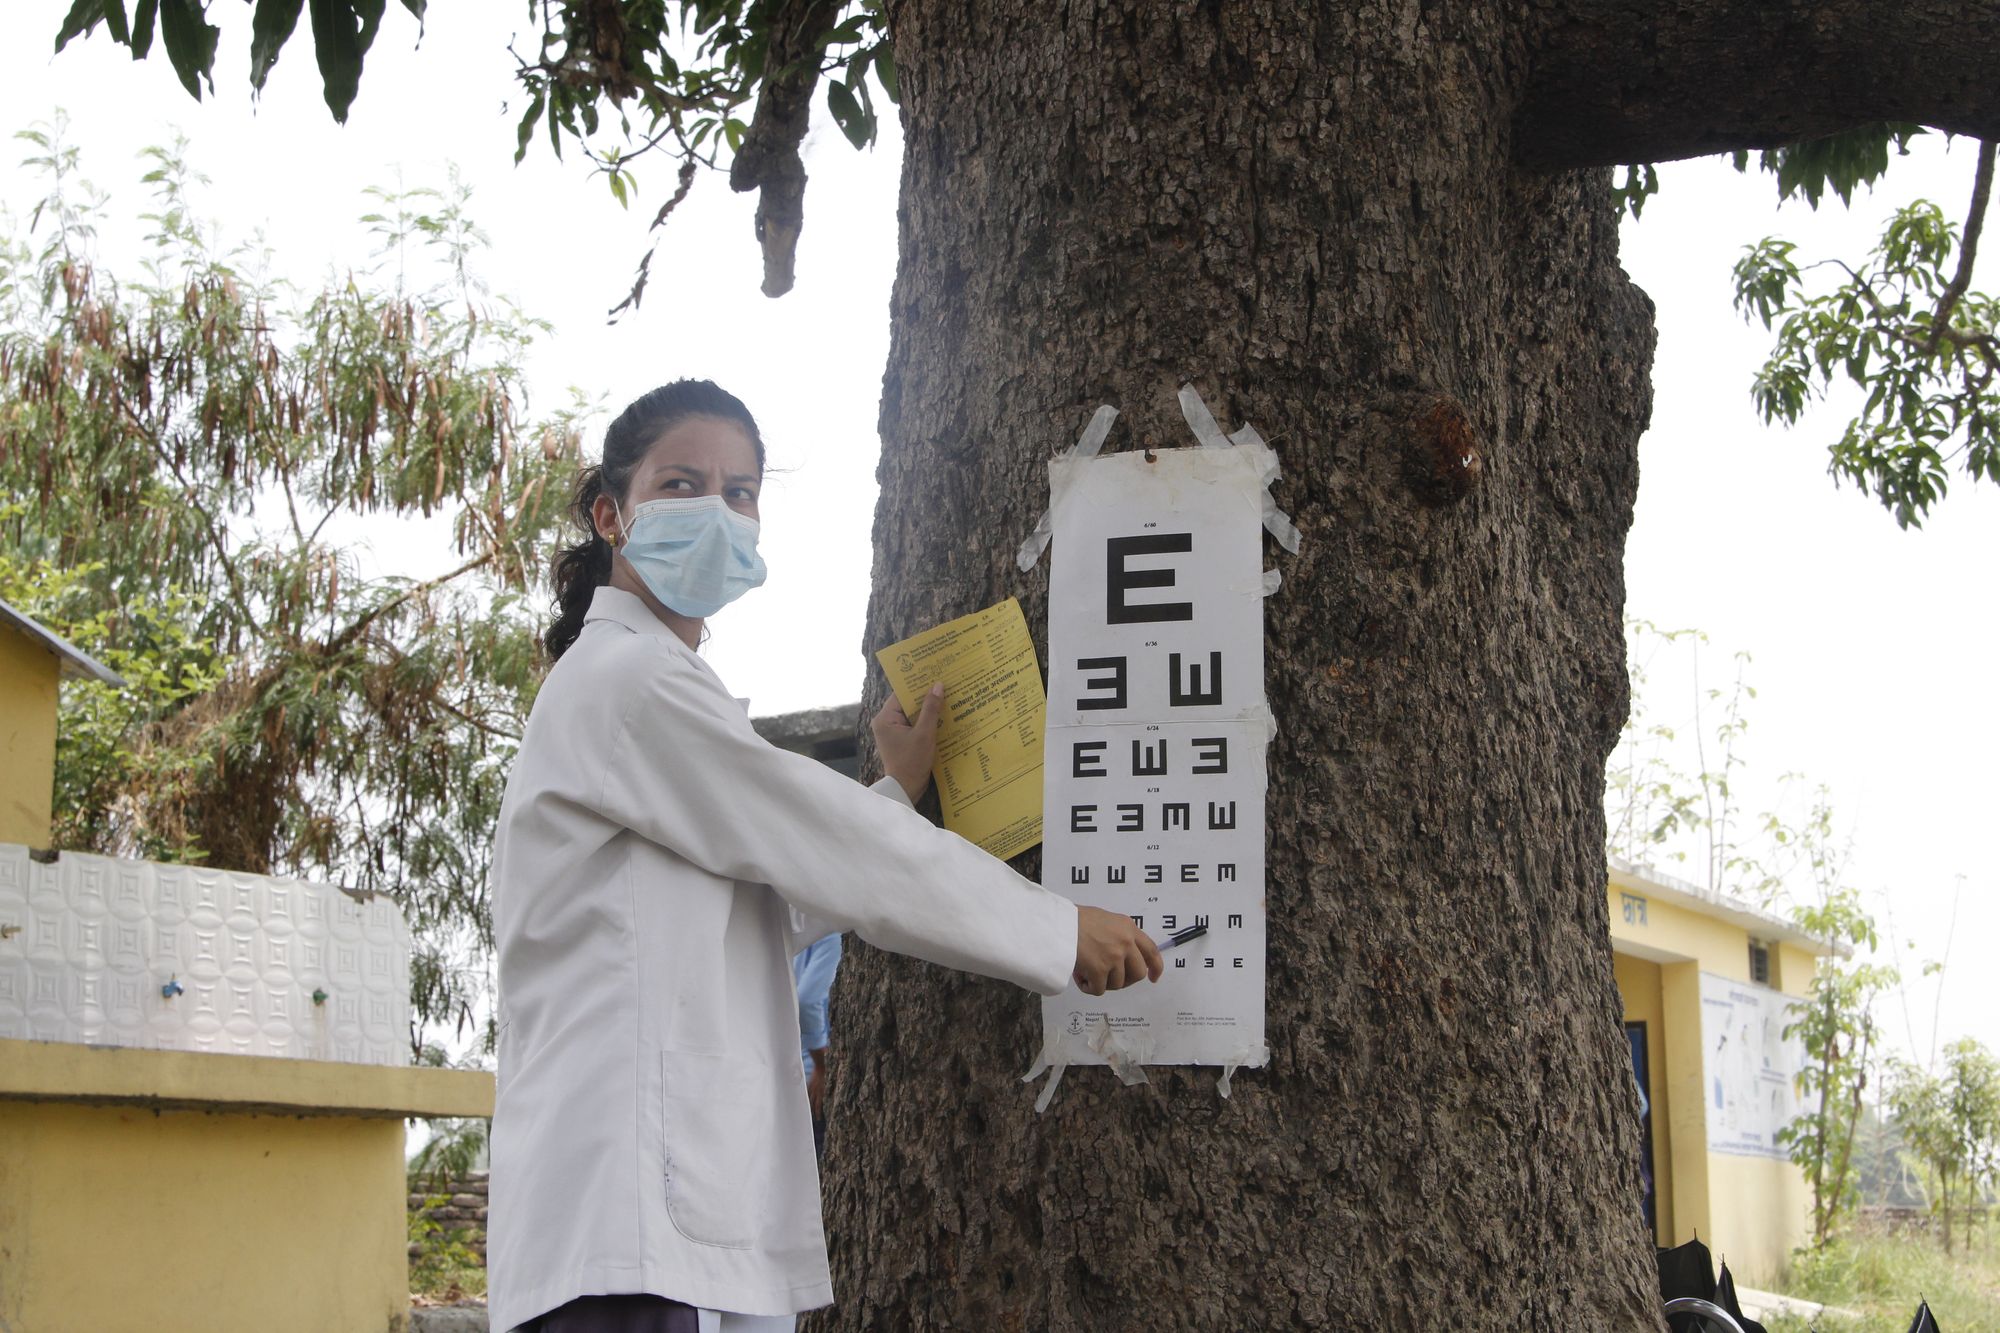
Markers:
point(1075, 1022)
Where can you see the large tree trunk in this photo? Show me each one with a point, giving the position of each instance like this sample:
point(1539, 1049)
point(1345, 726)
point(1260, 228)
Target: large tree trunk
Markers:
point(1315, 214)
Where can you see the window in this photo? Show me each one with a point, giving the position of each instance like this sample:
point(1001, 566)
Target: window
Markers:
point(1760, 963)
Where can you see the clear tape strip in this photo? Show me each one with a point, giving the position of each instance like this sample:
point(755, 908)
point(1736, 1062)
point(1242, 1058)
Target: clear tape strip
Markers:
point(1126, 1056)
point(1279, 524)
point(1247, 1057)
point(1048, 1093)
point(1202, 422)
point(1093, 437)
point(1086, 446)
point(1262, 715)
point(1055, 1062)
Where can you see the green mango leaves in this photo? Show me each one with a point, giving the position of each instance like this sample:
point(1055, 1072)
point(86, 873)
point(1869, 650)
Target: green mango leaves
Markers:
point(342, 32)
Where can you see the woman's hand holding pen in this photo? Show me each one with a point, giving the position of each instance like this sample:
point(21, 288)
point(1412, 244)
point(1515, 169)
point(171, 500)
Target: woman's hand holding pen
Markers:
point(1112, 952)
point(909, 749)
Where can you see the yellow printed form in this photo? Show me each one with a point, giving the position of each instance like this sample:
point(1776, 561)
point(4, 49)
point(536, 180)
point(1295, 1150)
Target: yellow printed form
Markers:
point(989, 752)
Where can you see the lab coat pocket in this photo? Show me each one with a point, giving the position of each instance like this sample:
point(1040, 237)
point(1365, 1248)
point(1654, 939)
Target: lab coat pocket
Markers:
point(717, 1118)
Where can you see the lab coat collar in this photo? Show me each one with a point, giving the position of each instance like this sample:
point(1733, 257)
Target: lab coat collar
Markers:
point(626, 611)
point(622, 608)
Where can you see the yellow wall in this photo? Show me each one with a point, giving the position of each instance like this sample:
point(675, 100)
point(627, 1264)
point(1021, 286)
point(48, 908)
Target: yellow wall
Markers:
point(163, 1190)
point(1759, 1211)
point(1663, 927)
point(117, 1218)
point(1687, 1123)
point(1792, 969)
point(28, 676)
point(1750, 1210)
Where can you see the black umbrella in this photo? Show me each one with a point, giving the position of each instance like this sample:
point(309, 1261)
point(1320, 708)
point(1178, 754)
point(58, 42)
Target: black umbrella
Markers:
point(1924, 1322)
point(1687, 1271)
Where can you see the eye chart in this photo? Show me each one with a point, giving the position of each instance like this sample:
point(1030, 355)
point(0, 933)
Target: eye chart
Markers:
point(1153, 800)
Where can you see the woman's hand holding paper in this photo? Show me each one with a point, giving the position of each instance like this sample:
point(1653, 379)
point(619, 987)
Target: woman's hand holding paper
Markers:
point(909, 749)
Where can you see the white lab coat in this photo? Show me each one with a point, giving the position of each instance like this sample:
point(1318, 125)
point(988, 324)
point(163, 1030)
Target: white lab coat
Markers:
point(651, 1132)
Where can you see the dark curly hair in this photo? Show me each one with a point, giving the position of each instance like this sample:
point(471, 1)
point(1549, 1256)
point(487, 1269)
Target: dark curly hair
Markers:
point(585, 565)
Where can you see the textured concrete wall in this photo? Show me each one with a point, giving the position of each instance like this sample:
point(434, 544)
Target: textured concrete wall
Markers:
point(251, 964)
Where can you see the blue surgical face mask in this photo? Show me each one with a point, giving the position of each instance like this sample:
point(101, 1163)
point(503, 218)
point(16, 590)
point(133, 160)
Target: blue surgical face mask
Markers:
point(695, 553)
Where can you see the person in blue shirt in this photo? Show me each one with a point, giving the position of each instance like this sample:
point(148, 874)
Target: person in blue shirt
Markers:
point(812, 970)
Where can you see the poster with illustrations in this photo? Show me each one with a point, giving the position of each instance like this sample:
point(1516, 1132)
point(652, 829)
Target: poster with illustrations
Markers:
point(1747, 1067)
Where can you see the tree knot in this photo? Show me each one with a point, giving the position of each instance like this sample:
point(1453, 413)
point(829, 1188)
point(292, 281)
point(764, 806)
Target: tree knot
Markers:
point(1446, 456)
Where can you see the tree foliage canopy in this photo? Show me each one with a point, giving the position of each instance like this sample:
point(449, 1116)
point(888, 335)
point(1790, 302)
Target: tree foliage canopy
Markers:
point(1835, 1026)
point(1906, 329)
point(1951, 1122)
point(676, 79)
point(197, 454)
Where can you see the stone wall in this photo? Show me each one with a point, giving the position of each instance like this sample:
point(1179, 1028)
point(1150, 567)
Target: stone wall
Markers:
point(463, 1211)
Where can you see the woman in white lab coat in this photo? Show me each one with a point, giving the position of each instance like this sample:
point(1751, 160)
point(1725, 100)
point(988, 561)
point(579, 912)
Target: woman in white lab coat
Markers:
point(657, 863)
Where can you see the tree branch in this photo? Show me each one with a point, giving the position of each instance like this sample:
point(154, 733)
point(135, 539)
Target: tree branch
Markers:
point(1845, 1160)
point(768, 161)
point(497, 733)
point(639, 279)
point(369, 617)
point(1628, 81)
point(291, 505)
point(215, 538)
point(1968, 247)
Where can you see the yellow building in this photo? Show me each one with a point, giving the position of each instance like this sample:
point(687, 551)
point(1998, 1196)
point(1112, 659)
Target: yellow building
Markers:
point(1707, 983)
point(144, 1188)
point(32, 663)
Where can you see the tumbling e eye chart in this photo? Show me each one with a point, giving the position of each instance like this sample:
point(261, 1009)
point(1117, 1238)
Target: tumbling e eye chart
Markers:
point(1153, 795)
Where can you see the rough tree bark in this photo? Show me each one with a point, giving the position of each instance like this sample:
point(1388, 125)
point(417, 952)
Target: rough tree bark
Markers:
point(1324, 217)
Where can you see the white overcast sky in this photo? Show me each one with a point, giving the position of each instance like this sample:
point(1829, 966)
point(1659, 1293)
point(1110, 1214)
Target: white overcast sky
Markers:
point(1874, 649)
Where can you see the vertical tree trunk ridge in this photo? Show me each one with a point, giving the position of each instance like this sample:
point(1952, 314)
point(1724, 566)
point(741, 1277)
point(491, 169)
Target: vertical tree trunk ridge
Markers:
point(1313, 213)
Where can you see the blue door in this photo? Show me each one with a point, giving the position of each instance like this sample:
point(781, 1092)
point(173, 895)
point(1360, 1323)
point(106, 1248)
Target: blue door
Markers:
point(1635, 1037)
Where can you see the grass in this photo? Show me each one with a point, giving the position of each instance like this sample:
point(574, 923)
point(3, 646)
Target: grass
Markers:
point(449, 1283)
point(446, 1269)
point(1879, 1276)
point(1882, 1277)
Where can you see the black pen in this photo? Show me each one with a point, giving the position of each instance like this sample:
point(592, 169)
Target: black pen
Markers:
point(1183, 936)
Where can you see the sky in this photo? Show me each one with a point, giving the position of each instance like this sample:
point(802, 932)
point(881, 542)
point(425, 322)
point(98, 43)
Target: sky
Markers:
point(1872, 647)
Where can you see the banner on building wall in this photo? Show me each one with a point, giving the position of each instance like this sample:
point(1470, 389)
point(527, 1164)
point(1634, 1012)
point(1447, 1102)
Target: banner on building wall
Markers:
point(1747, 1067)
point(1157, 726)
